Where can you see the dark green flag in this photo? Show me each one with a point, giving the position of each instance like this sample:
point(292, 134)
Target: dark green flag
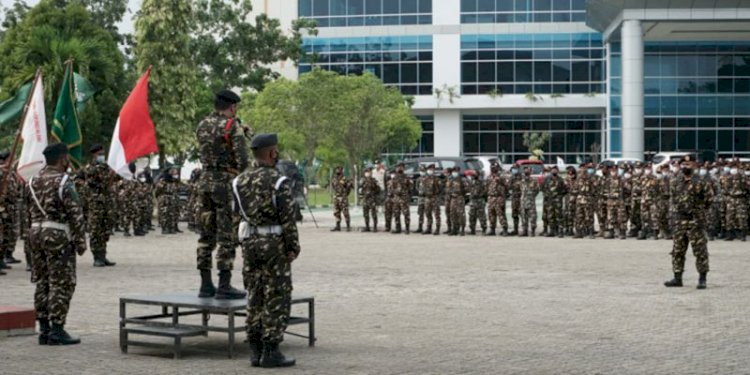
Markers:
point(11, 110)
point(65, 127)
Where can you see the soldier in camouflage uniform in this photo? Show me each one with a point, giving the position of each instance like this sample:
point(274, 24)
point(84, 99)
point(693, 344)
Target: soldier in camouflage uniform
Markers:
point(270, 244)
point(636, 191)
point(57, 232)
point(497, 193)
point(545, 202)
point(341, 187)
point(193, 210)
point(420, 197)
point(584, 220)
point(529, 191)
point(455, 189)
point(736, 190)
point(692, 197)
point(477, 202)
point(127, 195)
point(713, 220)
point(98, 178)
point(402, 187)
point(8, 212)
point(144, 198)
point(167, 198)
point(661, 207)
point(390, 200)
point(600, 202)
point(369, 191)
point(447, 199)
point(221, 146)
point(570, 201)
point(430, 185)
point(515, 197)
point(649, 194)
point(613, 192)
point(555, 195)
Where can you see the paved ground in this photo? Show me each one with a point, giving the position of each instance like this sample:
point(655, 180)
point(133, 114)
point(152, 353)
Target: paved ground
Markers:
point(414, 304)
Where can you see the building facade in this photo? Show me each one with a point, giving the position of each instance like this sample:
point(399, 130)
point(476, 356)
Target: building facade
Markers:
point(612, 78)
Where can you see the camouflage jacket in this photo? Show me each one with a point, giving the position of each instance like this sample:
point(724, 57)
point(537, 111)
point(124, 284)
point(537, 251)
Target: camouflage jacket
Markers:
point(369, 187)
point(341, 186)
point(266, 202)
point(584, 186)
point(402, 187)
point(529, 189)
point(430, 186)
point(554, 187)
point(649, 188)
point(60, 204)
point(11, 195)
point(455, 187)
point(692, 197)
point(636, 187)
point(476, 189)
point(497, 186)
point(571, 185)
point(167, 188)
point(516, 181)
point(613, 187)
point(98, 179)
point(736, 186)
point(222, 152)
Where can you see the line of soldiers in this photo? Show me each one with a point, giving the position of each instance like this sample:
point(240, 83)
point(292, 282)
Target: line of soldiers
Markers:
point(626, 200)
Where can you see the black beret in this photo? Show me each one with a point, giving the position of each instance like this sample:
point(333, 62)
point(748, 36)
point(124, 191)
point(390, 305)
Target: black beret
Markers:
point(228, 96)
point(54, 151)
point(4, 155)
point(264, 140)
point(96, 148)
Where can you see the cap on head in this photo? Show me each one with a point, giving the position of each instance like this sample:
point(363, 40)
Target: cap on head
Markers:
point(262, 141)
point(54, 152)
point(96, 148)
point(227, 97)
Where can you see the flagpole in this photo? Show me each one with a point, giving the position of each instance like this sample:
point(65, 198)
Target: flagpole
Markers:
point(6, 170)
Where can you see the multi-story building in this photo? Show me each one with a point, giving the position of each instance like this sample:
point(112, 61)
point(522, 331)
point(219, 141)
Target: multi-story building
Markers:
point(619, 78)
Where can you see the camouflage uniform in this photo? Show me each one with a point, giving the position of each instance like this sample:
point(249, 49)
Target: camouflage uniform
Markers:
point(402, 187)
point(477, 204)
point(145, 205)
point(390, 200)
point(497, 193)
point(649, 194)
point(267, 205)
point(529, 190)
point(98, 178)
point(370, 191)
point(660, 211)
point(128, 198)
point(167, 198)
point(430, 186)
point(571, 187)
point(714, 211)
point(736, 192)
point(420, 203)
point(692, 197)
point(584, 220)
point(515, 200)
point(193, 209)
point(616, 215)
point(54, 263)
point(341, 187)
point(636, 192)
point(9, 215)
point(555, 194)
point(600, 204)
point(221, 145)
point(455, 189)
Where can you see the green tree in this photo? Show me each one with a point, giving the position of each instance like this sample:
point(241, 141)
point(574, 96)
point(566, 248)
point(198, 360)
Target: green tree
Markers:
point(536, 143)
point(47, 36)
point(13, 15)
point(162, 32)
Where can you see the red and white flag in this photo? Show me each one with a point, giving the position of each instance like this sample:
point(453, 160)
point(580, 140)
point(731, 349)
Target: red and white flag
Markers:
point(34, 134)
point(134, 134)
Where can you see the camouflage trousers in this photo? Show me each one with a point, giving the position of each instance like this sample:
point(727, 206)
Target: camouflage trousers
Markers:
point(420, 210)
point(401, 207)
point(129, 215)
point(169, 211)
point(545, 211)
point(635, 214)
point(341, 205)
point(448, 223)
point(584, 220)
point(216, 228)
point(496, 212)
point(714, 218)
point(555, 218)
point(647, 206)
point(528, 216)
point(617, 218)
point(99, 227)
point(54, 272)
point(660, 216)
point(457, 214)
point(267, 275)
point(515, 207)
point(370, 210)
point(8, 236)
point(570, 212)
point(601, 213)
point(689, 232)
point(432, 212)
point(477, 213)
point(736, 216)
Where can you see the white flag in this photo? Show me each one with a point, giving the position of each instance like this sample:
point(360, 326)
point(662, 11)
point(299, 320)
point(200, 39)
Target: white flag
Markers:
point(34, 134)
point(560, 164)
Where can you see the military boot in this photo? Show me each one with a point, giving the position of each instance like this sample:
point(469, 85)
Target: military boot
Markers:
point(463, 232)
point(397, 230)
point(256, 351)
point(419, 229)
point(610, 235)
point(427, 230)
point(473, 231)
point(139, 232)
point(533, 232)
point(702, 281)
point(729, 236)
point(99, 261)
point(676, 282)
point(437, 230)
point(515, 228)
point(10, 260)
point(406, 228)
point(28, 261)
point(642, 235)
point(492, 232)
point(58, 336)
point(742, 235)
point(272, 357)
point(337, 228)
point(44, 330)
point(348, 226)
point(107, 262)
point(504, 233)
point(225, 290)
point(126, 233)
point(207, 290)
point(552, 232)
point(544, 232)
point(375, 227)
point(367, 227)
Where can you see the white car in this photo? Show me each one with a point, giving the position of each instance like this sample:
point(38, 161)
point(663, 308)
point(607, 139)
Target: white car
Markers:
point(619, 161)
point(486, 162)
point(667, 157)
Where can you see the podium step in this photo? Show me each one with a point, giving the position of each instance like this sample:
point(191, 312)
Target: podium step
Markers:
point(17, 321)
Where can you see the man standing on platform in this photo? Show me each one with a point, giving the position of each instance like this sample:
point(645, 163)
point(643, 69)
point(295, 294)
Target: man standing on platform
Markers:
point(270, 244)
point(99, 179)
point(57, 231)
point(221, 146)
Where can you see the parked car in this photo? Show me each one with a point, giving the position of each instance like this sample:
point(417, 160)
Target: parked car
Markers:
point(618, 162)
point(487, 162)
point(537, 168)
point(666, 157)
point(411, 166)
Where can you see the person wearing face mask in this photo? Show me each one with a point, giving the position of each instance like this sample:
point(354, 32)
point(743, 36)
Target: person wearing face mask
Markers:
point(529, 191)
point(167, 198)
point(369, 191)
point(600, 200)
point(402, 186)
point(145, 203)
point(692, 197)
point(390, 200)
point(456, 188)
point(270, 243)
point(56, 235)
point(636, 191)
point(649, 194)
point(713, 220)
point(222, 153)
point(8, 220)
point(662, 210)
point(554, 193)
point(127, 202)
point(736, 189)
point(98, 178)
point(516, 180)
point(613, 193)
point(430, 185)
point(447, 175)
point(584, 219)
point(497, 192)
point(569, 207)
point(546, 174)
point(341, 187)
point(477, 202)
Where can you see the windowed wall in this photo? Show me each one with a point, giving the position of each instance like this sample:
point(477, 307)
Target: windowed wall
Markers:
point(522, 11)
point(425, 146)
point(538, 63)
point(697, 96)
point(345, 13)
point(404, 62)
point(573, 136)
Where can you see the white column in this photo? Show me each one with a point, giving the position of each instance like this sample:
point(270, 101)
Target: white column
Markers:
point(632, 89)
point(446, 12)
point(448, 136)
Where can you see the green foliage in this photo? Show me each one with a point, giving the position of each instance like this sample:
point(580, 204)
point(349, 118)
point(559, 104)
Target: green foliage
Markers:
point(530, 96)
point(48, 35)
point(556, 95)
point(495, 93)
point(536, 142)
point(163, 42)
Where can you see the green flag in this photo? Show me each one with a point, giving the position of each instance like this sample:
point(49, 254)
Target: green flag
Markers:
point(65, 127)
point(11, 110)
point(84, 91)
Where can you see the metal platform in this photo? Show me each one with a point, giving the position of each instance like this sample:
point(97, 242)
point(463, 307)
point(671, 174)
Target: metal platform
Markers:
point(186, 304)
